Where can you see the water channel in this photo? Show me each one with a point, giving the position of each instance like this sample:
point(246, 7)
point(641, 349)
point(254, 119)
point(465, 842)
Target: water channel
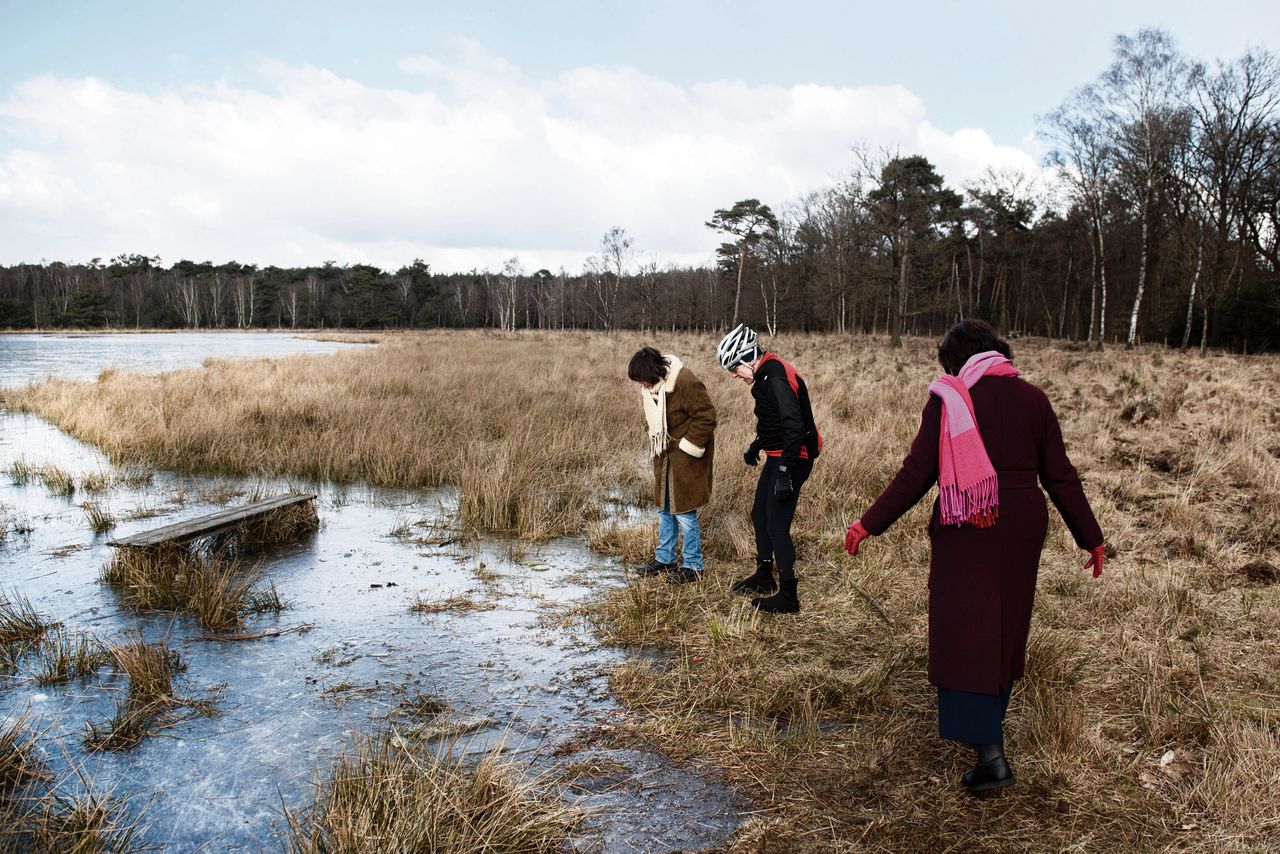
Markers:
point(510, 673)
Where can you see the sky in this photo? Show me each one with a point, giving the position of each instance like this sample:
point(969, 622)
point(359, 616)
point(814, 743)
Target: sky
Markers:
point(469, 133)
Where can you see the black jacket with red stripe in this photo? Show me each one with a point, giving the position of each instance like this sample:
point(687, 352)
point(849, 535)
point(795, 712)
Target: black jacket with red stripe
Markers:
point(784, 418)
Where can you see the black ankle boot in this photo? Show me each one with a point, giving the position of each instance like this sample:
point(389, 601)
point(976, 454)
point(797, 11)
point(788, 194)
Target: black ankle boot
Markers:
point(760, 581)
point(785, 601)
point(654, 567)
point(991, 770)
point(684, 575)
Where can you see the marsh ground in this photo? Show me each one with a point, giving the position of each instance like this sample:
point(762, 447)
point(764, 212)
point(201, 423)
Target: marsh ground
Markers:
point(1148, 717)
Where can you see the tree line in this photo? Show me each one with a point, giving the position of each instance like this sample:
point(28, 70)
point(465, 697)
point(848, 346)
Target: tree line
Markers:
point(1160, 221)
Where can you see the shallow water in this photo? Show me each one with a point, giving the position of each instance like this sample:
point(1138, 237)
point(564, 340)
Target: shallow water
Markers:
point(290, 703)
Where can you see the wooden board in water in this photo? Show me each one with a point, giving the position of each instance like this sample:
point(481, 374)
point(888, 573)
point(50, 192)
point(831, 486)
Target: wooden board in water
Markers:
point(211, 523)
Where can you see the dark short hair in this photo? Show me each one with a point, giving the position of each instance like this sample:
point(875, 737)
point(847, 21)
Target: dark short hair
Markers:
point(647, 366)
point(967, 338)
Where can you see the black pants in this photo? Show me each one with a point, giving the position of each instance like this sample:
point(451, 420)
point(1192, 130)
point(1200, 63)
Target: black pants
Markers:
point(772, 517)
point(972, 718)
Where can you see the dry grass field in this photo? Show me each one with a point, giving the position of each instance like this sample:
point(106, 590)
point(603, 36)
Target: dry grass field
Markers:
point(1150, 715)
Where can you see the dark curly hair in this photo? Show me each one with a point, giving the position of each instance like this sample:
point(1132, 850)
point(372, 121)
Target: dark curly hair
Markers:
point(647, 366)
point(967, 338)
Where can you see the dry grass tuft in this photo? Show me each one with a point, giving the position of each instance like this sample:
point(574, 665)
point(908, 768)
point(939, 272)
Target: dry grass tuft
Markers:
point(20, 625)
point(280, 526)
point(463, 604)
point(20, 762)
point(420, 707)
point(630, 543)
point(12, 522)
point(391, 795)
point(89, 824)
point(96, 483)
point(100, 519)
point(150, 702)
point(21, 472)
point(218, 592)
point(34, 817)
point(66, 656)
point(57, 480)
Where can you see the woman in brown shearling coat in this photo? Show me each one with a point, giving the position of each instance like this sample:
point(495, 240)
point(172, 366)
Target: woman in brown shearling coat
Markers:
point(682, 423)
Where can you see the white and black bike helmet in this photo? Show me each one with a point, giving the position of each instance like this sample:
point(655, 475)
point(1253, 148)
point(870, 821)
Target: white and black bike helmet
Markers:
point(737, 347)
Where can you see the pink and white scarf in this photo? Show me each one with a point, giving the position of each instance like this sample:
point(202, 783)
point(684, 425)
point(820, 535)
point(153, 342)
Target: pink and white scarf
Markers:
point(967, 487)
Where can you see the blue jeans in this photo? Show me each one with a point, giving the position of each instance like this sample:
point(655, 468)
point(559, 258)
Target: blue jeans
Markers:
point(691, 553)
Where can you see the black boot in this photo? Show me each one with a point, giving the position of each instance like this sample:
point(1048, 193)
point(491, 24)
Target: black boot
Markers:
point(991, 770)
point(654, 567)
point(684, 574)
point(784, 601)
point(760, 581)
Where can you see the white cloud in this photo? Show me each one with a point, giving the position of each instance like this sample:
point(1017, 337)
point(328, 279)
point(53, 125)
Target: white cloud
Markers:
point(468, 164)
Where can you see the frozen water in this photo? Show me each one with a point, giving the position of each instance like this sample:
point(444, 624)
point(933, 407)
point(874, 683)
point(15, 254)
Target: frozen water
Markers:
point(290, 703)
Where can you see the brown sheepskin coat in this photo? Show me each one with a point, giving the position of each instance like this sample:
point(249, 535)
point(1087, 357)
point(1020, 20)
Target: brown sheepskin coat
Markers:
point(691, 424)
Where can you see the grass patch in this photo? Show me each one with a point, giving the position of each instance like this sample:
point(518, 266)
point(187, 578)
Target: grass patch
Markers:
point(34, 817)
point(420, 707)
point(463, 604)
point(57, 480)
point(22, 472)
point(280, 526)
point(100, 519)
point(150, 702)
point(20, 762)
point(20, 624)
point(65, 656)
point(217, 592)
point(98, 482)
point(397, 796)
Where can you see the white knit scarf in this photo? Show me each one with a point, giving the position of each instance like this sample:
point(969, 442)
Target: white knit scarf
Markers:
point(655, 406)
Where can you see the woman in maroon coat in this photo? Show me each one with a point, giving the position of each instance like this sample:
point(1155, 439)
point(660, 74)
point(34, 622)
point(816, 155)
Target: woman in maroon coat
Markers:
point(982, 573)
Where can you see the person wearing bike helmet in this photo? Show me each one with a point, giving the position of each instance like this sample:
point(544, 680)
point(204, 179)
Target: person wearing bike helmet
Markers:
point(789, 438)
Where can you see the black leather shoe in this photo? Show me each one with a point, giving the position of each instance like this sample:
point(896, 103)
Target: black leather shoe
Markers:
point(760, 581)
point(785, 601)
point(992, 774)
point(653, 567)
point(684, 575)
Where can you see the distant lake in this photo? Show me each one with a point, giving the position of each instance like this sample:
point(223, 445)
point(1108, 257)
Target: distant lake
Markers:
point(26, 358)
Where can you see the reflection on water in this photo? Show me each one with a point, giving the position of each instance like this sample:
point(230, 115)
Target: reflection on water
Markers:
point(291, 702)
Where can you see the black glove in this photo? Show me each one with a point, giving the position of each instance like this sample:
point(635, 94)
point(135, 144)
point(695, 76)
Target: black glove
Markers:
point(782, 486)
point(751, 456)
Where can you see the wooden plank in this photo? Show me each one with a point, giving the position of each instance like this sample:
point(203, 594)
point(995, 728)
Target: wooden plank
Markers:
point(210, 523)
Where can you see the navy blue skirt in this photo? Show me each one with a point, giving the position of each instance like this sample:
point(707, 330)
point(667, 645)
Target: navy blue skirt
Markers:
point(972, 718)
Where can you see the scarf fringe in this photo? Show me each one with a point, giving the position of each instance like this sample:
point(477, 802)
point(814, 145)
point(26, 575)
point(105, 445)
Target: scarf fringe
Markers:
point(976, 504)
point(658, 444)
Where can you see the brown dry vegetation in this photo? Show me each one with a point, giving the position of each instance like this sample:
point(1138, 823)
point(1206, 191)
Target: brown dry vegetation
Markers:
point(218, 593)
point(825, 718)
point(35, 818)
point(388, 794)
point(211, 584)
point(151, 702)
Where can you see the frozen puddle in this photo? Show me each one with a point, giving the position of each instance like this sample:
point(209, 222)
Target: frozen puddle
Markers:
point(289, 703)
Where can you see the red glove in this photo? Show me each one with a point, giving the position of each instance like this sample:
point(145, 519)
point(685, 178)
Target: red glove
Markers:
point(854, 537)
point(1095, 560)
